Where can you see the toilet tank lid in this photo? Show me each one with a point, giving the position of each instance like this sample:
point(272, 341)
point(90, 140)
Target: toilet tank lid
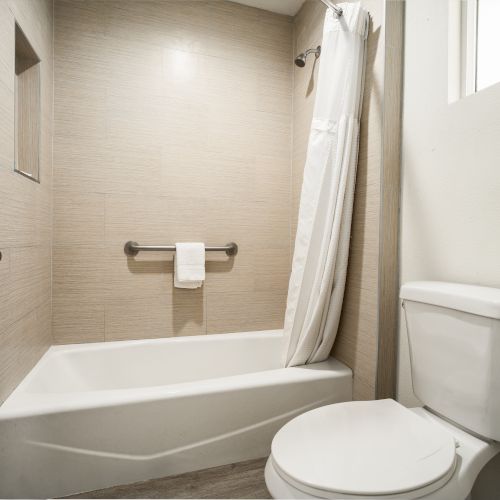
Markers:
point(479, 300)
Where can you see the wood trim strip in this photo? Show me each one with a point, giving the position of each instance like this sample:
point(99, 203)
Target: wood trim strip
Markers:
point(390, 188)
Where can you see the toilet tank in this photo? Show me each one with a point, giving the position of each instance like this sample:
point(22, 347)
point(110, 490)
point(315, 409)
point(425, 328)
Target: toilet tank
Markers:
point(454, 337)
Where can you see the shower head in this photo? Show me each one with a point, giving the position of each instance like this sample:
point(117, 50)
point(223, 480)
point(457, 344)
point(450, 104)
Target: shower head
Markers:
point(300, 60)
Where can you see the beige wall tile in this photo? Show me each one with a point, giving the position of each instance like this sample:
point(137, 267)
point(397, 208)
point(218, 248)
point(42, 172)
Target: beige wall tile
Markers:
point(180, 313)
point(6, 46)
point(184, 129)
point(75, 321)
point(79, 273)
point(207, 174)
point(79, 219)
point(21, 346)
point(272, 270)
point(225, 273)
point(146, 275)
point(18, 205)
point(241, 312)
point(30, 281)
point(78, 170)
point(6, 126)
point(154, 219)
point(272, 178)
point(25, 206)
point(5, 311)
point(249, 271)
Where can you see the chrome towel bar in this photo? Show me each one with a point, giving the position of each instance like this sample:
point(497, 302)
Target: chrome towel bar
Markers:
point(133, 248)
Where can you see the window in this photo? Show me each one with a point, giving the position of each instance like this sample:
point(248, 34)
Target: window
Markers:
point(488, 43)
point(27, 105)
point(473, 46)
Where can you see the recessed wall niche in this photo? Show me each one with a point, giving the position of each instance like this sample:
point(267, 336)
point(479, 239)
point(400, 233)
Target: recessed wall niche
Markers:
point(27, 95)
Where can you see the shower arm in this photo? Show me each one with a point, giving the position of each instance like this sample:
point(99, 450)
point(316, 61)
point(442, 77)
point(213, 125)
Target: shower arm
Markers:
point(316, 51)
point(337, 10)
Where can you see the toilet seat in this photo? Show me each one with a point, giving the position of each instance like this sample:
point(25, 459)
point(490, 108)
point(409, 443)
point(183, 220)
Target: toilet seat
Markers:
point(364, 449)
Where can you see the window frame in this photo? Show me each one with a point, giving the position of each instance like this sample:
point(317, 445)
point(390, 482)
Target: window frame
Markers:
point(469, 47)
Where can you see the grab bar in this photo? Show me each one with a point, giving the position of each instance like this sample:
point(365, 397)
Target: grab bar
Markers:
point(133, 248)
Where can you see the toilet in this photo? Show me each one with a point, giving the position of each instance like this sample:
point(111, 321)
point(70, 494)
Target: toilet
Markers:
point(381, 449)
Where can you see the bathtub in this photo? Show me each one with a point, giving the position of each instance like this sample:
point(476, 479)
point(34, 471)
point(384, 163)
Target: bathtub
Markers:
point(96, 415)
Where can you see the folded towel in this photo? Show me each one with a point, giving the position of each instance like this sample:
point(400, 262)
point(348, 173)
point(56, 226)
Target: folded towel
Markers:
point(189, 269)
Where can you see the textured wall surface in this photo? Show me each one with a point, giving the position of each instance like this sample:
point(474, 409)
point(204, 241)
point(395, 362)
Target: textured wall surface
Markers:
point(25, 206)
point(172, 123)
point(356, 344)
point(451, 174)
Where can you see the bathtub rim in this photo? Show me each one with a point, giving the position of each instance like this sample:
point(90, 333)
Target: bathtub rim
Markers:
point(109, 344)
point(331, 368)
point(17, 405)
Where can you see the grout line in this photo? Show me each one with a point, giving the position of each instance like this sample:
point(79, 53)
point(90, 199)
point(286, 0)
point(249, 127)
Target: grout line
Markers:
point(52, 179)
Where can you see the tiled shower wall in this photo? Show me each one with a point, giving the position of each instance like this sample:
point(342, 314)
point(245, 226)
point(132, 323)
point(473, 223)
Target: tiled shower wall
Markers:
point(25, 206)
point(172, 123)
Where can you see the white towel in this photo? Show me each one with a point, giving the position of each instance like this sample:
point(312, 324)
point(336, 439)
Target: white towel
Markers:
point(189, 269)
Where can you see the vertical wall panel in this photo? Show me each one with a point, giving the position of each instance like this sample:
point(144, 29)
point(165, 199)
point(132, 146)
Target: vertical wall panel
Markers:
point(172, 123)
point(25, 206)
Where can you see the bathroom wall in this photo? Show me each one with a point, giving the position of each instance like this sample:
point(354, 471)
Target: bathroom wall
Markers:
point(25, 206)
point(367, 289)
point(172, 123)
point(451, 175)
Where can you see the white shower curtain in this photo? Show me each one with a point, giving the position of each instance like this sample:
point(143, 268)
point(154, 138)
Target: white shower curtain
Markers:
point(317, 281)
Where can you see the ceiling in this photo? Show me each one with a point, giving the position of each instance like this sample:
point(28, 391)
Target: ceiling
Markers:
point(288, 7)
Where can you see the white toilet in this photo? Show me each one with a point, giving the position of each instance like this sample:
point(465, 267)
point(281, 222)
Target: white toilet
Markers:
point(381, 449)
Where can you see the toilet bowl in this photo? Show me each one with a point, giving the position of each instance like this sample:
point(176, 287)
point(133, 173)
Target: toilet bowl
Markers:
point(375, 449)
point(381, 449)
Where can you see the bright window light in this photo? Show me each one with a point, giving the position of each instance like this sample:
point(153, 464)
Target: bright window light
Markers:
point(488, 44)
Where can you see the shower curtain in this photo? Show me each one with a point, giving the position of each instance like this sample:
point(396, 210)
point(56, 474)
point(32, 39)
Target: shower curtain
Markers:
point(319, 265)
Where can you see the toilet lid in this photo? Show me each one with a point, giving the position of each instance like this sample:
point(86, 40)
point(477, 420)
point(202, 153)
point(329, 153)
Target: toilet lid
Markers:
point(363, 448)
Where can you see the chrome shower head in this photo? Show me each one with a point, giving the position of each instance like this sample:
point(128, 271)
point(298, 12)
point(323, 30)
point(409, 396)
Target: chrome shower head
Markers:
point(300, 60)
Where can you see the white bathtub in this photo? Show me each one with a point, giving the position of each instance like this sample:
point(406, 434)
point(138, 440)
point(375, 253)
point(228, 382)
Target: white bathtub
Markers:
point(96, 415)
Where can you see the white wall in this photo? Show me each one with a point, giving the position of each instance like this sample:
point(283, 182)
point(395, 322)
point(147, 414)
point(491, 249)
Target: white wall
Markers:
point(451, 170)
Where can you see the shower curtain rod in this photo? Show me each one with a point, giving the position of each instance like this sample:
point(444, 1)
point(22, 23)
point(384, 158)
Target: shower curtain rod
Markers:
point(338, 11)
